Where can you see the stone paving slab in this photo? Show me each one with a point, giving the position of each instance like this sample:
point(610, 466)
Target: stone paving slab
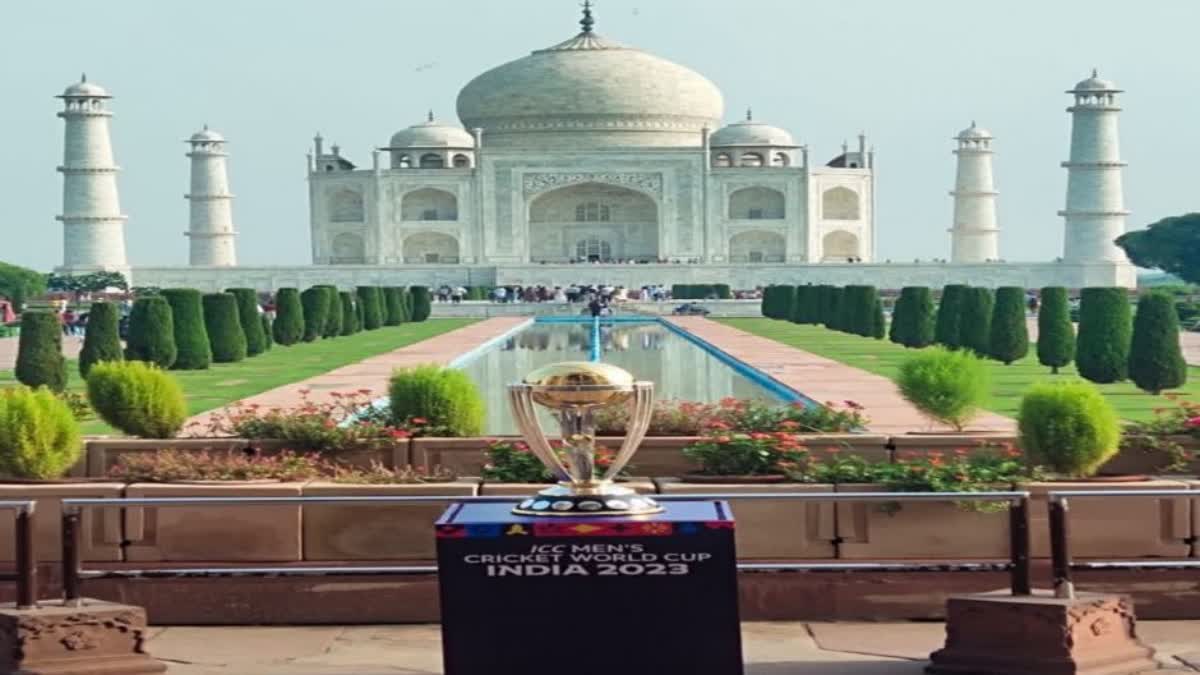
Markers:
point(8, 350)
point(371, 375)
point(824, 379)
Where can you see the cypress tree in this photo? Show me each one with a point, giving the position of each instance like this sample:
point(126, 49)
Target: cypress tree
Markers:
point(406, 305)
point(290, 318)
point(834, 318)
point(949, 316)
point(975, 330)
point(897, 332)
point(247, 300)
point(360, 313)
point(349, 313)
point(151, 332)
point(802, 304)
point(380, 304)
point(192, 350)
point(394, 316)
point(422, 304)
point(333, 316)
point(1056, 335)
point(40, 361)
point(1155, 358)
point(825, 305)
point(314, 303)
point(1010, 335)
point(224, 325)
point(369, 301)
point(879, 321)
point(767, 306)
point(268, 331)
point(856, 307)
point(102, 340)
point(913, 318)
point(1105, 327)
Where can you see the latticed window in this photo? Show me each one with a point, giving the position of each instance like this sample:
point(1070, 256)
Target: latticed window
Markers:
point(593, 248)
point(592, 212)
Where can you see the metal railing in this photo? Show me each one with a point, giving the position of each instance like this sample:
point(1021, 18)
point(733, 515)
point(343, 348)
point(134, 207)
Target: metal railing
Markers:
point(1018, 564)
point(1061, 563)
point(25, 574)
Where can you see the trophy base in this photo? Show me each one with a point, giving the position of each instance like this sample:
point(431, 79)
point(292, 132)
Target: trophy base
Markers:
point(604, 500)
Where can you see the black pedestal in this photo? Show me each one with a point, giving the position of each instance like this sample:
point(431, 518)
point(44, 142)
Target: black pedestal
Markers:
point(641, 595)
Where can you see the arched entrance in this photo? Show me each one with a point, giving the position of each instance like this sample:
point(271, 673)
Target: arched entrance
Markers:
point(593, 222)
point(757, 246)
point(840, 246)
point(428, 248)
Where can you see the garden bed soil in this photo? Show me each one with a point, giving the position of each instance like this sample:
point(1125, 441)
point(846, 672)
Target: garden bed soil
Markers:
point(101, 527)
point(774, 529)
point(345, 532)
point(925, 530)
point(214, 533)
point(1116, 527)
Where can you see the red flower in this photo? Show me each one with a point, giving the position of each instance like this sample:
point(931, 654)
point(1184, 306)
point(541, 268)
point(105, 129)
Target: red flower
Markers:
point(400, 433)
point(1192, 422)
point(328, 424)
point(760, 436)
point(722, 439)
point(789, 424)
point(419, 420)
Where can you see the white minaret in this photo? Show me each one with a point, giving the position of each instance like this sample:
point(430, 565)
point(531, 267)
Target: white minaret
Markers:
point(93, 227)
point(1095, 213)
point(974, 237)
point(211, 222)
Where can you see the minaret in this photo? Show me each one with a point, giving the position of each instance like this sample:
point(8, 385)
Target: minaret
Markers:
point(93, 227)
point(974, 235)
point(1095, 213)
point(211, 223)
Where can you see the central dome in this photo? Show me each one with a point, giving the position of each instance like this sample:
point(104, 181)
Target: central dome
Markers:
point(590, 92)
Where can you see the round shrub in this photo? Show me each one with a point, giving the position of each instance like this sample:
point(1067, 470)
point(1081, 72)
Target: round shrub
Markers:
point(315, 301)
point(1056, 335)
point(102, 340)
point(1069, 427)
point(291, 319)
point(422, 304)
point(445, 397)
point(1010, 335)
point(333, 317)
point(394, 306)
point(349, 313)
point(192, 350)
point(39, 436)
point(225, 334)
point(975, 331)
point(1105, 330)
point(248, 311)
point(151, 332)
point(40, 361)
point(1155, 358)
point(949, 316)
point(137, 398)
point(947, 386)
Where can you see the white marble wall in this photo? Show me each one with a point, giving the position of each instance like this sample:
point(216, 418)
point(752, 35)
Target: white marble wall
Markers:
point(1095, 213)
point(974, 234)
point(210, 224)
point(93, 226)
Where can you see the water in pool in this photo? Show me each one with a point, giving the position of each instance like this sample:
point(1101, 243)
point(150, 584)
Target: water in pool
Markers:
point(679, 368)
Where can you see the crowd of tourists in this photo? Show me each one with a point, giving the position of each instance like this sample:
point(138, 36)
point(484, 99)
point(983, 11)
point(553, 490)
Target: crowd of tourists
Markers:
point(574, 294)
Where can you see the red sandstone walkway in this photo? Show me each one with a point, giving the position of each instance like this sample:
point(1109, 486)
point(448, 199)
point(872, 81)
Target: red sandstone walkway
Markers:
point(826, 380)
point(372, 374)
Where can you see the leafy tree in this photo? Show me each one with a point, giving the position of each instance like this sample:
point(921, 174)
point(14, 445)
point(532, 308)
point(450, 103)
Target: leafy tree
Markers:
point(102, 340)
point(1155, 359)
point(975, 331)
point(248, 311)
point(1105, 327)
point(193, 351)
point(422, 304)
point(93, 282)
point(291, 318)
point(19, 283)
point(224, 326)
point(151, 332)
point(1056, 335)
point(333, 317)
point(40, 361)
point(1010, 334)
point(949, 316)
point(1171, 245)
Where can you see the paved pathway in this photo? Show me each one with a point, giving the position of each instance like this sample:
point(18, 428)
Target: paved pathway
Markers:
point(372, 374)
point(781, 648)
point(823, 379)
point(8, 350)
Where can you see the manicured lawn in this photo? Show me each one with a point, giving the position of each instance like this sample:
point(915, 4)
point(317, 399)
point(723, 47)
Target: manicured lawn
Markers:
point(227, 382)
point(1008, 382)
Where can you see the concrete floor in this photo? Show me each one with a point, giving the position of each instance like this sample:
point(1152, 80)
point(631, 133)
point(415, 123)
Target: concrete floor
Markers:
point(771, 649)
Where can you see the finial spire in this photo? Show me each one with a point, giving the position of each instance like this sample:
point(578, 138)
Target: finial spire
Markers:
point(749, 114)
point(1095, 72)
point(430, 116)
point(83, 77)
point(587, 21)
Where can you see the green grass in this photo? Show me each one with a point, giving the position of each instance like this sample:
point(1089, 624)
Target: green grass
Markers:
point(227, 382)
point(1008, 382)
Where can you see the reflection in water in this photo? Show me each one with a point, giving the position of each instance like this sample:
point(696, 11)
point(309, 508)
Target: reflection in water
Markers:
point(679, 369)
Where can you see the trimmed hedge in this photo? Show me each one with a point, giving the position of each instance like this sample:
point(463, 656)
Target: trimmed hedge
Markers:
point(825, 305)
point(368, 297)
point(1105, 331)
point(291, 319)
point(445, 397)
point(349, 313)
point(137, 398)
point(914, 317)
point(1155, 359)
point(192, 350)
point(805, 310)
point(834, 319)
point(1010, 335)
point(394, 316)
point(314, 303)
point(40, 361)
point(1056, 334)
point(151, 332)
point(949, 316)
point(975, 331)
point(39, 435)
point(247, 301)
point(778, 301)
point(224, 326)
point(879, 321)
point(359, 313)
point(406, 305)
point(333, 317)
point(856, 308)
point(102, 339)
point(422, 304)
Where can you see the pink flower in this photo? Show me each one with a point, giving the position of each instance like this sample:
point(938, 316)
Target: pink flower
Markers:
point(419, 420)
point(1192, 422)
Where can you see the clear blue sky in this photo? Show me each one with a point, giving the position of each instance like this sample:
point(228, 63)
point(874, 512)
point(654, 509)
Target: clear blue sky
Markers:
point(269, 73)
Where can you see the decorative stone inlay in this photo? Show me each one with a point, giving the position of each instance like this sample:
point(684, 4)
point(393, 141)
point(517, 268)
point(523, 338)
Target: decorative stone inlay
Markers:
point(537, 183)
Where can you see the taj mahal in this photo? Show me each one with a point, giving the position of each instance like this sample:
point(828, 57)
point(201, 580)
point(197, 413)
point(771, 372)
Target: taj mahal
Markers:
point(590, 161)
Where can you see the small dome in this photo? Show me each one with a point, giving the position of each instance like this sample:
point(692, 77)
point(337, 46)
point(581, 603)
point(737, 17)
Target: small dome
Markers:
point(433, 134)
point(1093, 84)
point(85, 89)
point(749, 132)
point(207, 135)
point(974, 133)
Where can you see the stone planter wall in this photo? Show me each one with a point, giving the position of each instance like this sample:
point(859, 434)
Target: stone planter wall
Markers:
point(1116, 528)
point(101, 526)
point(102, 455)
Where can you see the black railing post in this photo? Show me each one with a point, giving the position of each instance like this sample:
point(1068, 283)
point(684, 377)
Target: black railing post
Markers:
point(1060, 554)
point(71, 540)
point(26, 559)
point(1018, 530)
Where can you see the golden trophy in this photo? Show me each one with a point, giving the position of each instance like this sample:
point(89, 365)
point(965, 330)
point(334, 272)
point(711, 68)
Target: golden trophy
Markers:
point(573, 391)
